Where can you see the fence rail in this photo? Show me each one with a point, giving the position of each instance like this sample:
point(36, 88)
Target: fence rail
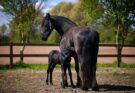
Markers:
point(11, 55)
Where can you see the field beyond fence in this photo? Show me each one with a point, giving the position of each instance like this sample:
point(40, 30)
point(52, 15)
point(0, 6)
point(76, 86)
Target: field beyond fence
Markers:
point(38, 53)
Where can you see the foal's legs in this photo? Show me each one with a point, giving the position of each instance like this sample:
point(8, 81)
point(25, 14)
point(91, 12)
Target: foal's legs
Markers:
point(48, 70)
point(51, 71)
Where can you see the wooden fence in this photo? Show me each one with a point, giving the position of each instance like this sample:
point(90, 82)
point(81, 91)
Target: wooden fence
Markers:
point(22, 55)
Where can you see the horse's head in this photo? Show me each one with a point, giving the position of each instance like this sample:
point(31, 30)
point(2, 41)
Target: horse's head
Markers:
point(46, 27)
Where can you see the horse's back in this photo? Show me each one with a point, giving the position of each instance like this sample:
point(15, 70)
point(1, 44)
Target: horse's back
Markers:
point(77, 36)
point(85, 34)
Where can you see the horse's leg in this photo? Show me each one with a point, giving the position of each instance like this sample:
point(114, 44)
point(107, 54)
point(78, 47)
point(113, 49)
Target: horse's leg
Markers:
point(78, 84)
point(94, 84)
point(64, 77)
point(51, 71)
point(79, 48)
point(48, 70)
point(84, 81)
point(70, 74)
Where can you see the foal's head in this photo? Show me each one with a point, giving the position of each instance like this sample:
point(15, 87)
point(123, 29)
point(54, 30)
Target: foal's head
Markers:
point(46, 26)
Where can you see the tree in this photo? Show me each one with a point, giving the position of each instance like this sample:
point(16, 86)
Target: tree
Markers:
point(62, 9)
point(4, 33)
point(3, 29)
point(91, 10)
point(24, 15)
point(76, 14)
point(121, 13)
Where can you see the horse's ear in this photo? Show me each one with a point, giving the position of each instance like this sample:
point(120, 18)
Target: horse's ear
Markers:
point(47, 16)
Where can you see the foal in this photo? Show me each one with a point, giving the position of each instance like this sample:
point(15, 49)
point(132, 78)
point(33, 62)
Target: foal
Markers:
point(55, 57)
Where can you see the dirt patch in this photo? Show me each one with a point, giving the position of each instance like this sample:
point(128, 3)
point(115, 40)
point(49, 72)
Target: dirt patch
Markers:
point(110, 80)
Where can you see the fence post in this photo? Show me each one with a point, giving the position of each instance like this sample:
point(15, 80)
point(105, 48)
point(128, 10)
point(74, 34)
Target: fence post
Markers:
point(11, 54)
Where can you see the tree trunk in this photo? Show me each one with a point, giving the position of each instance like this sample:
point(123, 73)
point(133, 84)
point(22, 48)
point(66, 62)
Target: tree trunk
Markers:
point(119, 47)
point(119, 51)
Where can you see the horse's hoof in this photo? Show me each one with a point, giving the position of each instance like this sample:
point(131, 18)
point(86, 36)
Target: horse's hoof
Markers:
point(95, 88)
point(62, 85)
point(66, 84)
point(78, 84)
point(51, 83)
point(73, 86)
point(46, 83)
point(84, 88)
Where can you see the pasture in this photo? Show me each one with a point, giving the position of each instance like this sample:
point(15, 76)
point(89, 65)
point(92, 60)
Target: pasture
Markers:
point(110, 80)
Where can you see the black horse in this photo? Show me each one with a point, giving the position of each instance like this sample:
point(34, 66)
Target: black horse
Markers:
point(55, 57)
point(85, 42)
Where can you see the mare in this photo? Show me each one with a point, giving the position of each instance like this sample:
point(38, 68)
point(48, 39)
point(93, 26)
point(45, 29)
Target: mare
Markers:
point(55, 57)
point(85, 41)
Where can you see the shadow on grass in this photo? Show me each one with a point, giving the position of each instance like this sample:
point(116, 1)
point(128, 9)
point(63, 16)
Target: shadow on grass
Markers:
point(108, 87)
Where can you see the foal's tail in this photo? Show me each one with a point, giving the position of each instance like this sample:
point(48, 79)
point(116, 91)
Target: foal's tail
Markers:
point(89, 53)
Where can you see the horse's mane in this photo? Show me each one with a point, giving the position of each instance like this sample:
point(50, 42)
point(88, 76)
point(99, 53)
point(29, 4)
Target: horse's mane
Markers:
point(64, 19)
point(61, 18)
point(60, 22)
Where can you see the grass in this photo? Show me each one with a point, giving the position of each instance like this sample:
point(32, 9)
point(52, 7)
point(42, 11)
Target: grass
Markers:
point(115, 64)
point(22, 65)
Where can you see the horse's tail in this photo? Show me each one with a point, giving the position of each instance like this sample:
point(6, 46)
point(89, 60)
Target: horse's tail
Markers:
point(89, 51)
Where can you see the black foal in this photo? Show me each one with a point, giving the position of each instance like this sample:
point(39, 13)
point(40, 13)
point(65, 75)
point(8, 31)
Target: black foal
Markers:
point(55, 57)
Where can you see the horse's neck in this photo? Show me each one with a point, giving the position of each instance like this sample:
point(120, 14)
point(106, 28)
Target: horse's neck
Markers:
point(62, 27)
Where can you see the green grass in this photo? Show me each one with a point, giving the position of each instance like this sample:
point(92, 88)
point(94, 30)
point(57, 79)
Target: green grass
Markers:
point(115, 64)
point(22, 65)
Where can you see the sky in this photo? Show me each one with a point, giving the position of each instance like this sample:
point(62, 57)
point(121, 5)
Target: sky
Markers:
point(4, 18)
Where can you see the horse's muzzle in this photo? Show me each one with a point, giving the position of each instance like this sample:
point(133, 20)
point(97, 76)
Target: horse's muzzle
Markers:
point(44, 39)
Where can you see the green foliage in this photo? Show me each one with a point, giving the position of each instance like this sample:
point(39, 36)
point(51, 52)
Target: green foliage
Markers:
point(91, 10)
point(107, 34)
point(69, 10)
point(120, 13)
point(3, 29)
point(24, 15)
point(13, 6)
point(54, 37)
point(3, 36)
point(77, 15)
point(130, 37)
point(62, 9)
point(26, 21)
point(23, 22)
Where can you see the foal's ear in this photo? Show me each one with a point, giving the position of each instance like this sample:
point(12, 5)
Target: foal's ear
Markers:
point(47, 16)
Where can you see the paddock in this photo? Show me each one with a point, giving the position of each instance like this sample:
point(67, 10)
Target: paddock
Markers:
point(110, 80)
